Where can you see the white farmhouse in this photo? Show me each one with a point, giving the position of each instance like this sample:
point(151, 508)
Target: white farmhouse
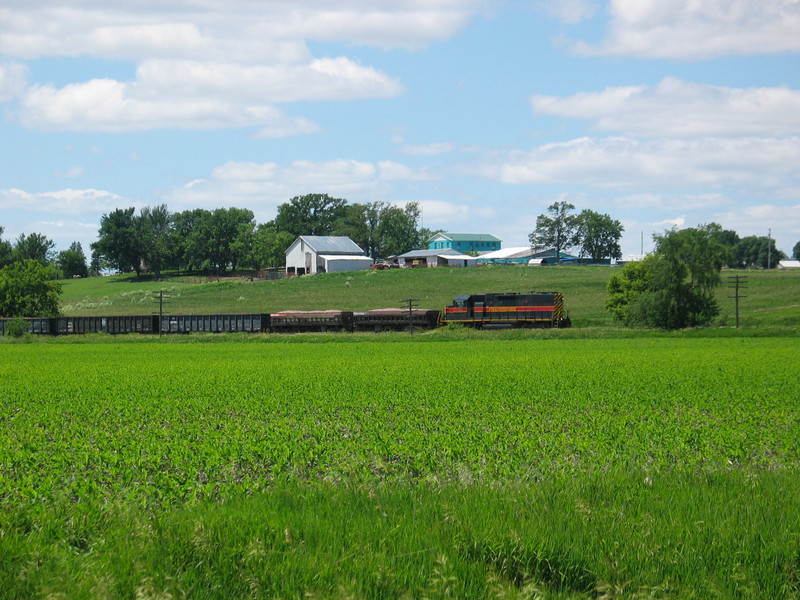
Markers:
point(325, 254)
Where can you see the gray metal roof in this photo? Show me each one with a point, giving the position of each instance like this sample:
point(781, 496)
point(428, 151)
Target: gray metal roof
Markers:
point(427, 253)
point(331, 244)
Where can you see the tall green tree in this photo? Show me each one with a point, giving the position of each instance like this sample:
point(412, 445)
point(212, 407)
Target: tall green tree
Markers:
point(34, 247)
point(28, 289)
point(186, 241)
point(599, 235)
point(728, 238)
point(72, 262)
point(154, 228)
point(119, 241)
point(558, 229)
point(269, 247)
point(398, 229)
point(675, 287)
point(795, 250)
point(360, 223)
point(312, 214)
point(230, 237)
point(759, 252)
point(6, 251)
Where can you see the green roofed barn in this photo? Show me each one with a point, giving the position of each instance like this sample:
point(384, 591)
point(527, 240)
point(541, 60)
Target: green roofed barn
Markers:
point(464, 242)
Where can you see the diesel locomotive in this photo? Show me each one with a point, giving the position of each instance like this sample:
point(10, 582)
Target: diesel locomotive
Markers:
point(540, 309)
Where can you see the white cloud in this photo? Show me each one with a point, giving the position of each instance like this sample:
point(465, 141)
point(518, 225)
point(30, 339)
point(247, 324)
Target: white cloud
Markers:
point(697, 29)
point(568, 11)
point(74, 172)
point(13, 80)
point(262, 186)
point(619, 162)
point(236, 30)
point(68, 201)
point(438, 213)
point(677, 108)
point(192, 95)
point(393, 171)
point(672, 202)
point(783, 221)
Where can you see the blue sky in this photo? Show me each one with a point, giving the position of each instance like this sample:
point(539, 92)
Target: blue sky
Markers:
point(657, 113)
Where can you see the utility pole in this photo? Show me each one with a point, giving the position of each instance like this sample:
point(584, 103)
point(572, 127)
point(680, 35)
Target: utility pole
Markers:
point(769, 248)
point(737, 282)
point(411, 303)
point(162, 295)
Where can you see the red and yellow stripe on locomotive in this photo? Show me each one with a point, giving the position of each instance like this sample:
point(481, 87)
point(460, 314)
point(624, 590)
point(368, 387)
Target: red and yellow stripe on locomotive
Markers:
point(537, 309)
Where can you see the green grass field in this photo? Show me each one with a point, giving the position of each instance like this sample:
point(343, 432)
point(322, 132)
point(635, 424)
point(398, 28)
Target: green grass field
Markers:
point(592, 462)
point(773, 298)
point(400, 468)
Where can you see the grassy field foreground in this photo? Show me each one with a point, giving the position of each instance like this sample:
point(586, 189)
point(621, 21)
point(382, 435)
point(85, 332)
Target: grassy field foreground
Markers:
point(637, 468)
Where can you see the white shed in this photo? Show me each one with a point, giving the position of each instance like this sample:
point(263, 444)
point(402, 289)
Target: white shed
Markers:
point(436, 258)
point(325, 254)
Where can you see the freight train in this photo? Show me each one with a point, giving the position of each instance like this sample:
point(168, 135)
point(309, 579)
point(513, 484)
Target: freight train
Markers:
point(543, 309)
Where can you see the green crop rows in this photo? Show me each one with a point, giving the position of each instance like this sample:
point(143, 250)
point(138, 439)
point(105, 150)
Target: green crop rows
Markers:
point(155, 429)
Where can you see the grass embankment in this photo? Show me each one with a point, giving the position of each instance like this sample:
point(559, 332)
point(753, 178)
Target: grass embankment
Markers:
point(771, 297)
point(639, 468)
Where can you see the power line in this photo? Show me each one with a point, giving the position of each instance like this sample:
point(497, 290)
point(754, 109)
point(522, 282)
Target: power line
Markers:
point(411, 303)
point(737, 282)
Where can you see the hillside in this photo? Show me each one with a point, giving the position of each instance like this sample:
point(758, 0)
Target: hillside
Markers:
point(772, 298)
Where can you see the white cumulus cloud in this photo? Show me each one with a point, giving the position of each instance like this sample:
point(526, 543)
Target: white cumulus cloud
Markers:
point(235, 30)
point(59, 202)
point(697, 29)
point(678, 108)
point(192, 95)
point(621, 162)
point(13, 81)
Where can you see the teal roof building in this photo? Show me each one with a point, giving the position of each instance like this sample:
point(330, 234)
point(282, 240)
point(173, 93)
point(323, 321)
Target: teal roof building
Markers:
point(464, 242)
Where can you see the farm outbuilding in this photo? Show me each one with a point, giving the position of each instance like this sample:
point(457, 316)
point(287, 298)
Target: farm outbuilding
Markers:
point(325, 254)
point(521, 255)
point(436, 258)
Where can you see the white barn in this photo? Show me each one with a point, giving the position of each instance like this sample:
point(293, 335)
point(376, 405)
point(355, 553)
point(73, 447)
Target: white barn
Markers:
point(325, 254)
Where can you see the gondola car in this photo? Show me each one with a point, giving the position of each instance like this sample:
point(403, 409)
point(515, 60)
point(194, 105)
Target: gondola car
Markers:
point(228, 323)
point(537, 309)
point(290, 321)
point(395, 319)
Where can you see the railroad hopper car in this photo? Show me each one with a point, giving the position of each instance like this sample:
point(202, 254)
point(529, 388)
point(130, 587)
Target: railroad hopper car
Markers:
point(113, 325)
point(39, 325)
point(247, 323)
point(537, 309)
point(395, 319)
point(289, 321)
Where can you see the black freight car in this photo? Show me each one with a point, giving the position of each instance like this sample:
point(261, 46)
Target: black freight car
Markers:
point(247, 323)
point(37, 325)
point(291, 321)
point(395, 319)
point(113, 325)
point(537, 309)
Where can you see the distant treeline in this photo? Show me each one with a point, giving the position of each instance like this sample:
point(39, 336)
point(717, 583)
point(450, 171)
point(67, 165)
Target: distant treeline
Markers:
point(154, 239)
point(229, 238)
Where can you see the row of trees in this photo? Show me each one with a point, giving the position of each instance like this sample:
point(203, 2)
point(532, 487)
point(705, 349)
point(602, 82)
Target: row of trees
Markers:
point(229, 238)
point(37, 247)
point(595, 235)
